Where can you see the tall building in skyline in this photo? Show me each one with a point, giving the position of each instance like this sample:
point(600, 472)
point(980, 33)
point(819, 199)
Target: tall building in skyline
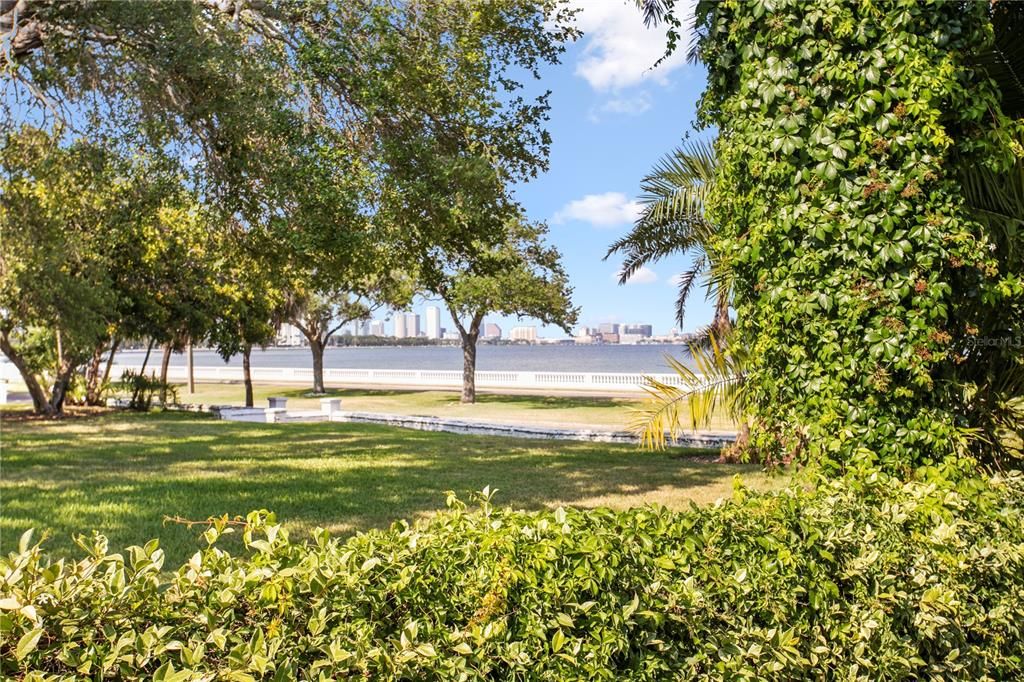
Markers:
point(642, 330)
point(492, 331)
point(400, 331)
point(524, 333)
point(433, 322)
point(289, 335)
point(609, 328)
point(412, 325)
point(377, 328)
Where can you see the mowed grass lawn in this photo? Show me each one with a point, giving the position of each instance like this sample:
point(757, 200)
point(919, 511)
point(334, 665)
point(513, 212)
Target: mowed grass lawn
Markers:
point(120, 473)
point(552, 410)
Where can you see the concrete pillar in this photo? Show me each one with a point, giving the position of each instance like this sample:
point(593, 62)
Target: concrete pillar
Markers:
point(330, 406)
point(277, 402)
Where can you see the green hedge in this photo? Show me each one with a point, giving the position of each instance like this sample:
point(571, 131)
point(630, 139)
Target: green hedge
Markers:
point(864, 578)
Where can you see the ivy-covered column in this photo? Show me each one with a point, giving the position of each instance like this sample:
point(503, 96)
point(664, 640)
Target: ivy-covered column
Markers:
point(859, 272)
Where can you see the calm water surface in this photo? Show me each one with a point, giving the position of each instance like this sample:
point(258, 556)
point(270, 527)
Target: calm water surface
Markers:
point(552, 358)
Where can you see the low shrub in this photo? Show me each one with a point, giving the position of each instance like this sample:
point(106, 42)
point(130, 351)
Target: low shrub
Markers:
point(858, 578)
point(142, 390)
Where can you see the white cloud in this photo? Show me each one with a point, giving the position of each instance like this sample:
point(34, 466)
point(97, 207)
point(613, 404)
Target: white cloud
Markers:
point(642, 276)
point(629, 106)
point(619, 50)
point(601, 210)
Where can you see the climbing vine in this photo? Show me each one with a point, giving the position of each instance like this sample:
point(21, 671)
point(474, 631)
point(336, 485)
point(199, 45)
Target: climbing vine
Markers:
point(862, 279)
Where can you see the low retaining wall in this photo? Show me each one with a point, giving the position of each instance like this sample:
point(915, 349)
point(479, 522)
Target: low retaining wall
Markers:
point(332, 413)
point(590, 382)
point(709, 441)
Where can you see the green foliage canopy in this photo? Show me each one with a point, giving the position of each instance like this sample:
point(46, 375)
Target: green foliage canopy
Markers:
point(94, 246)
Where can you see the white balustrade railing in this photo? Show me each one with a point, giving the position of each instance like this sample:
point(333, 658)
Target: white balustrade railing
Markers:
point(597, 382)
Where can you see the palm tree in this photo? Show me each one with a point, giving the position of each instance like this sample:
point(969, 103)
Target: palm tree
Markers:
point(672, 221)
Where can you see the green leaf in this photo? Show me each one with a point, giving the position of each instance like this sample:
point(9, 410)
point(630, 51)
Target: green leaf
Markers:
point(25, 540)
point(557, 640)
point(27, 643)
point(630, 608)
point(9, 604)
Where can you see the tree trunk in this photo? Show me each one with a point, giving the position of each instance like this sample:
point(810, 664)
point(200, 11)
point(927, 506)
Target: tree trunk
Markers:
point(149, 349)
point(164, 364)
point(317, 348)
point(94, 380)
point(469, 366)
point(110, 361)
point(39, 402)
point(191, 369)
point(92, 376)
point(247, 374)
point(63, 378)
point(60, 388)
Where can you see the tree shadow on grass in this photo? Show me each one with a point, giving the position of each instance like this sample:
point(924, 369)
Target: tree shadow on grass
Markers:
point(121, 474)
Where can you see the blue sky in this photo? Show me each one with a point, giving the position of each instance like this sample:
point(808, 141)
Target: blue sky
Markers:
point(612, 118)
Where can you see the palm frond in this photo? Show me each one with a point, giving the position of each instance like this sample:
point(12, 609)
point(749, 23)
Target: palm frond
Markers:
point(997, 201)
point(721, 291)
point(676, 188)
point(1004, 61)
point(686, 281)
point(655, 11)
point(996, 408)
point(650, 242)
point(672, 215)
point(715, 384)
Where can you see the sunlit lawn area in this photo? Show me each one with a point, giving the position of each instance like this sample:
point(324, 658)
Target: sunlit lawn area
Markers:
point(610, 413)
point(121, 473)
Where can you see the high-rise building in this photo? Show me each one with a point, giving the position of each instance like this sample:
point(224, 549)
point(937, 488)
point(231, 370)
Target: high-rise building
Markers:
point(608, 328)
point(584, 335)
point(400, 330)
point(523, 334)
point(642, 330)
point(377, 328)
point(492, 331)
point(433, 322)
point(412, 325)
point(289, 335)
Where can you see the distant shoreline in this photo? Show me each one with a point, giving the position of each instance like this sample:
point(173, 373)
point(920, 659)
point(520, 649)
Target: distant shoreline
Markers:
point(649, 358)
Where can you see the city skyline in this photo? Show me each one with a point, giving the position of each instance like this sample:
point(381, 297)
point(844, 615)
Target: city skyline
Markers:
point(500, 322)
point(425, 322)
